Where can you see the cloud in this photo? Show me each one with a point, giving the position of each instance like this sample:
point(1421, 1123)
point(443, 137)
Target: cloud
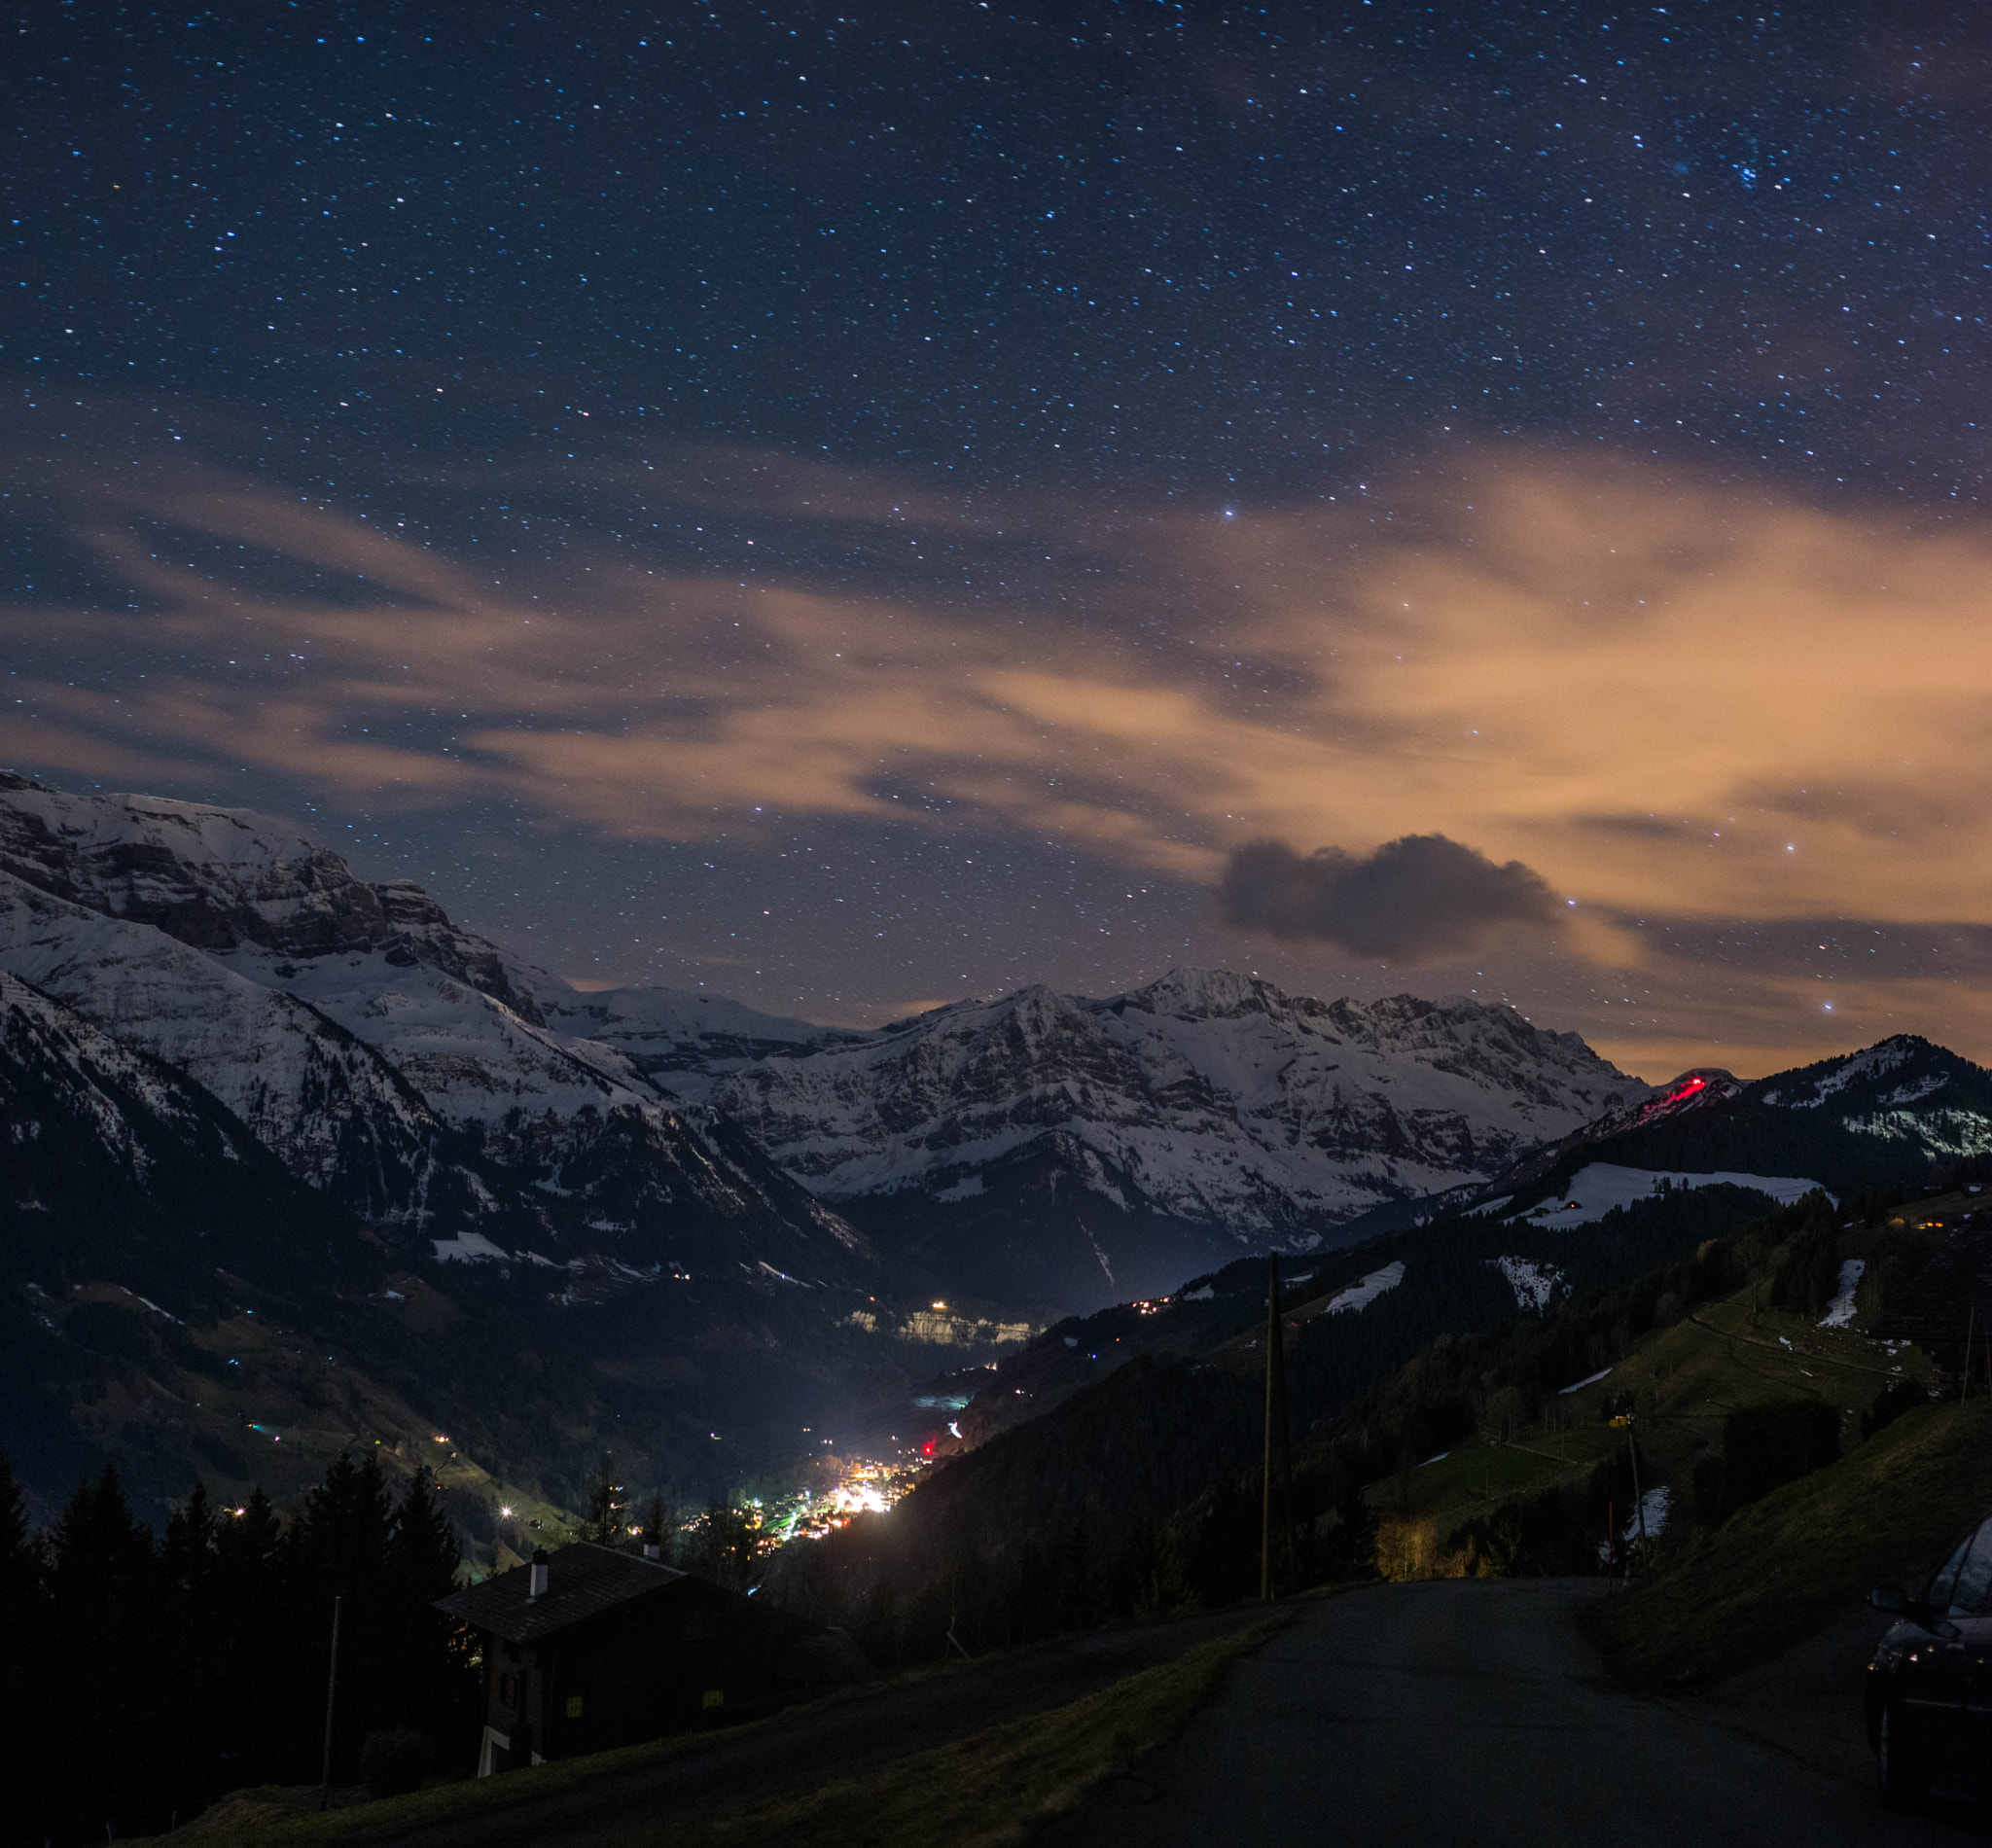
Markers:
point(1413, 899)
point(1679, 702)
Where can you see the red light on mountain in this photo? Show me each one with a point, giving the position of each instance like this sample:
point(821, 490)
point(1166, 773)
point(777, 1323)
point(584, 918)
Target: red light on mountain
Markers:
point(1688, 1089)
point(927, 1448)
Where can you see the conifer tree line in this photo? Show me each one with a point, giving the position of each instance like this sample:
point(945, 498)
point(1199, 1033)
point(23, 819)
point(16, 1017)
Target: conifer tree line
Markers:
point(142, 1677)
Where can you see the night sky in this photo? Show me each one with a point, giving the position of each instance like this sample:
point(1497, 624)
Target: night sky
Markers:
point(857, 506)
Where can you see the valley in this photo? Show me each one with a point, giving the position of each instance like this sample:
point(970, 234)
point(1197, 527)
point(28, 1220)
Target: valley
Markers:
point(953, 1333)
point(301, 1165)
point(636, 1225)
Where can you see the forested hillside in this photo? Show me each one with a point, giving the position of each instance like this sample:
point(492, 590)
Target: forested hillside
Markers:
point(1141, 1491)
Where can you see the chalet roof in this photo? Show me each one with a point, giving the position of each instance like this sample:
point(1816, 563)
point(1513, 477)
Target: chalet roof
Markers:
point(582, 1582)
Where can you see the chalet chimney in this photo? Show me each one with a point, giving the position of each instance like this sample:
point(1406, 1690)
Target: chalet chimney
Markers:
point(536, 1587)
point(652, 1551)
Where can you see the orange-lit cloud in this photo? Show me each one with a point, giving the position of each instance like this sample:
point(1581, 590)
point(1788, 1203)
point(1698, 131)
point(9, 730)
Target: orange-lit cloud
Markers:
point(1668, 699)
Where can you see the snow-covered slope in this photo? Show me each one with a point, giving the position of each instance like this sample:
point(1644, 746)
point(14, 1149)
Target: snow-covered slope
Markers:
point(115, 1165)
point(1207, 1096)
point(1603, 1187)
point(311, 1093)
point(1043, 1147)
point(677, 1037)
point(386, 1057)
point(222, 878)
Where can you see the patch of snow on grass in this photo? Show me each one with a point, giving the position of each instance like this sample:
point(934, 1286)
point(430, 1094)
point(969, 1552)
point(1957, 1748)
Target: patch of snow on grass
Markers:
point(1871, 1063)
point(1532, 1282)
point(1603, 1186)
point(1958, 1132)
point(1582, 1383)
point(1359, 1295)
point(1656, 1504)
point(1840, 1311)
point(472, 1247)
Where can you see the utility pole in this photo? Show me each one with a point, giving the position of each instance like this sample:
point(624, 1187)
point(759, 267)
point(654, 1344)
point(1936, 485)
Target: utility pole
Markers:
point(1964, 1382)
point(330, 1690)
point(1275, 1426)
point(1638, 1500)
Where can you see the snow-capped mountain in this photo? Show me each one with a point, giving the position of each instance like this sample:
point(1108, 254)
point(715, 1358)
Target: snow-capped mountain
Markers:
point(112, 1161)
point(1040, 1148)
point(1209, 1096)
point(387, 1058)
point(225, 878)
point(1884, 1116)
point(1166, 1127)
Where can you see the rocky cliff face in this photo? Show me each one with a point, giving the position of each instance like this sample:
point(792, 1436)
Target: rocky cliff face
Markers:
point(224, 880)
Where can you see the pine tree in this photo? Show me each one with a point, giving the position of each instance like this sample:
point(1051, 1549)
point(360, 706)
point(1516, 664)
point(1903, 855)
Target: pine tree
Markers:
point(262, 1680)
point(603, 1526)
point(191, 1620)
point(659, 1527)
point(108, 1677)
point(423, 1553)
point(24, 1637)
point(725, 1548)
point(431, 1686)
point(336, 1550)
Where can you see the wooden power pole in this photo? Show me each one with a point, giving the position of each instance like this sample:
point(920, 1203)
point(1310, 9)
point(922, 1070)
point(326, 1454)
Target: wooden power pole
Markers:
point(330, 1690)
point(1275, 1426)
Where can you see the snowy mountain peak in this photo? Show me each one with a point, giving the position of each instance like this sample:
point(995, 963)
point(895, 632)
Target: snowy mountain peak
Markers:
point(1698, 1088)
point(230, 880)
point(1208, 994)
point(667, 1033)
point(1207, 1097)
point(1906, 1067)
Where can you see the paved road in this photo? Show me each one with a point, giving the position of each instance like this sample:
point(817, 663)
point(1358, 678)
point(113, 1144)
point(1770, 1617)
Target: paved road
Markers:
point(1472, 1711)
point(859, 1731)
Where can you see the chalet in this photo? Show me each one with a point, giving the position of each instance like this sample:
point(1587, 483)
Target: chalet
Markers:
point(590, 1647)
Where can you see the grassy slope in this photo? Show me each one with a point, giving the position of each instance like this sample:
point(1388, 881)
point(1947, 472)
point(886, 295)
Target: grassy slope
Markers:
point(993, 1786)
point(1775, 1572)
point(996, 1788)
point(1682, 1380)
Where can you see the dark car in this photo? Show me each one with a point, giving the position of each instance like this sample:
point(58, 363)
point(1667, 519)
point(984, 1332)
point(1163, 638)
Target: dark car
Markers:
point(1930, 1684)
